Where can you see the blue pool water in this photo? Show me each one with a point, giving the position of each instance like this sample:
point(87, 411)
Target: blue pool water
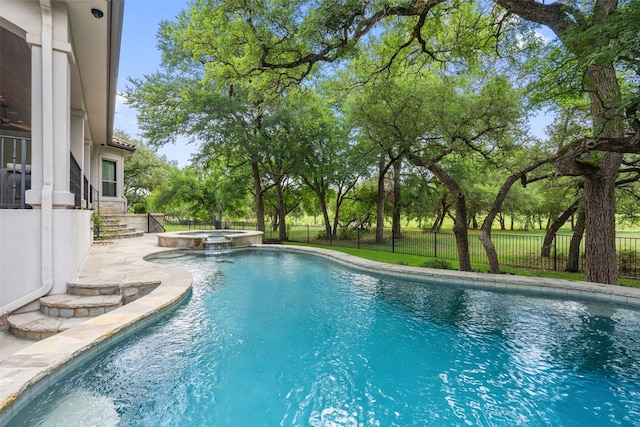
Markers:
point(275, 338)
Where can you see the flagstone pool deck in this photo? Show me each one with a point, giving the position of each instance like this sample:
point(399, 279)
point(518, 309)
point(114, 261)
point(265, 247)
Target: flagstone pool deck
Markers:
point(27, 367)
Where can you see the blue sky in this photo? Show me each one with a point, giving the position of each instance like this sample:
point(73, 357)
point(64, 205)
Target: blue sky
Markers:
point(139, 56)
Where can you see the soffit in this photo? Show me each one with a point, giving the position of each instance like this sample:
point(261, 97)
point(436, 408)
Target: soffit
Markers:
point(96, 45)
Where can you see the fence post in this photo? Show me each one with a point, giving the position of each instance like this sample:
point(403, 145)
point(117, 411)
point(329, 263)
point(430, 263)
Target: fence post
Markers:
point(435, 244)
point(358, 234)
point(555, 252)
point(308, 234)
point(393, 241)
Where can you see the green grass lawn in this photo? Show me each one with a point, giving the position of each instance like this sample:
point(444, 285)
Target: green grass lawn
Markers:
point(418, 261)
point(447, 251)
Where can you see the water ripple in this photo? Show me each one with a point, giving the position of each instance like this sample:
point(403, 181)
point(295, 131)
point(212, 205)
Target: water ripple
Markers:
point(284, 339)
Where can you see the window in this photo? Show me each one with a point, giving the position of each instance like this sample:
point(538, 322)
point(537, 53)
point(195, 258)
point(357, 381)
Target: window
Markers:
point(108, 178)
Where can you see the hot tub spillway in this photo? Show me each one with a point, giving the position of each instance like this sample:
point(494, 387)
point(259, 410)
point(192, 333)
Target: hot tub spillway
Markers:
point(218, 246)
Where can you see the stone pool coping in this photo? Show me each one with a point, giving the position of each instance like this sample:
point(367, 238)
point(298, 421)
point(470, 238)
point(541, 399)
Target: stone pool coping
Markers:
point(623, 295)
point(38, 364)
point(196, 239)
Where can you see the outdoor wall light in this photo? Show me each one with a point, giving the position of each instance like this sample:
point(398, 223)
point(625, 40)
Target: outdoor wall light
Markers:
point(97, 13)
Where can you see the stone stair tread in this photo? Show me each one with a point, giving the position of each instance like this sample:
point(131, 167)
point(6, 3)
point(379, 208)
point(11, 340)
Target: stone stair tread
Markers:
point(122, 234)
point(93, 288)
point(94, 282)
point(35, 321)
point(129, 283)
point(129, 234)
point(80, 301)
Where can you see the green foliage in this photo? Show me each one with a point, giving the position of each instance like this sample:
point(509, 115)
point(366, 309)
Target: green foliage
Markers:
point(98, 227)
point(143, 172)
point(629, 262)
point(140, 208)
point(422, 80)
point(437, 263)
point(96, 221)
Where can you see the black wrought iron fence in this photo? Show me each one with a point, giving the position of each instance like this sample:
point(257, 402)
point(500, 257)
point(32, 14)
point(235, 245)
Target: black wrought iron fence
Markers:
point(514, 250)
point(197, 224)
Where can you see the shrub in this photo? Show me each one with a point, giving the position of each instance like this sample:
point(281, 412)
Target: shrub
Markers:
point(140, 208)
point(628, 262)
point(437, 263)
point(347, 234)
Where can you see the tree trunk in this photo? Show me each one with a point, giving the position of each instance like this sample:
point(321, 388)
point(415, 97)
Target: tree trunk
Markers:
point(600, 243)
point(555, 226)
point(397, 193)
point(437, 222)
point(257, 188)
point(322, 198)
point(460, 208)
point(460, 225)
point(282, 212)
point(573, 258)
point(380, 200)
point(600, 188)
point(342, 190)
point(608, 122)
point(325, 215)
point(487, 224)
point(319, 188)
point(220, 216)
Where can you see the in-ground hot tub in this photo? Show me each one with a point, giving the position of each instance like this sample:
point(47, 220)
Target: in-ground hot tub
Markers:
point(198, 239)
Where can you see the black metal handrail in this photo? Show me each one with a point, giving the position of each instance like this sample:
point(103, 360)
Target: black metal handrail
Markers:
point(154, 225)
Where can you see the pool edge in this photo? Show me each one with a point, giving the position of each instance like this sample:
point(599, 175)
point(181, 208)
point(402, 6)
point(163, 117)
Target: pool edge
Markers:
point(623, 295)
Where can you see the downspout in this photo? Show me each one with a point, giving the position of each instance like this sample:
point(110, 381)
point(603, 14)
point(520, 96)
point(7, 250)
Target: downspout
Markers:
point(47, 148)
point(46, 214)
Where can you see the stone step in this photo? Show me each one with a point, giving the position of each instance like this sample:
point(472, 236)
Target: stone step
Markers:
point(114, 227)
point(129, 234)
point(120, 234)
point(65, 305)
point(36, 326)
point(93, 287)
point(130, 291)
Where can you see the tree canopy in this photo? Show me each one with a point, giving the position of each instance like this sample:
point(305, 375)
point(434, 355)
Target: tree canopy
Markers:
point(285, 90)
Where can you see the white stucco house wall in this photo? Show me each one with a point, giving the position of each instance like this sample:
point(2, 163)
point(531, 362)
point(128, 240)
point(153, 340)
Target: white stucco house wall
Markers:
point(58, 73)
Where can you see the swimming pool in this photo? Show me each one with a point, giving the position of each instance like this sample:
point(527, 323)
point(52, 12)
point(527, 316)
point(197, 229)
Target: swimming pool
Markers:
point(274, 338)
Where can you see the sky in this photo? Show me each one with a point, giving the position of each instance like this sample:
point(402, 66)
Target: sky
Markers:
point(139, 55)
